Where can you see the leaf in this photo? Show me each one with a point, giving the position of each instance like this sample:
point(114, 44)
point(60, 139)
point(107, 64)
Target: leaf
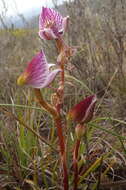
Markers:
point(93, 167)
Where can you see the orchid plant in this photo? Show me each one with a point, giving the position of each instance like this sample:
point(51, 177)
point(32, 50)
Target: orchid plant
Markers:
point(37, 75)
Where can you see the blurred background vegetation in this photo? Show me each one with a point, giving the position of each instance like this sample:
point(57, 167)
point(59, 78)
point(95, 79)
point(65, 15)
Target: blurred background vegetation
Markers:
point(98, 29)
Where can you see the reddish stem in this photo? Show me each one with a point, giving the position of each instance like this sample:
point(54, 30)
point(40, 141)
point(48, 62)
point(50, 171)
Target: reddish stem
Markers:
point(61, 48)
point(62, 74)
point(60, 44)
point(75, 163)
point(58, 121)
point(58, 124)
point(48, 107)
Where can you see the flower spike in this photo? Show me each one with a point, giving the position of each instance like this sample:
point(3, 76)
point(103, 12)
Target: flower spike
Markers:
point(37, 74)
point(51, 24)
point(83, 111)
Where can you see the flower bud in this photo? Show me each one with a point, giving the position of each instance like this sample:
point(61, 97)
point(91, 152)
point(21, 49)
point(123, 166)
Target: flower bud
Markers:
point(80, 131)
point(83, 111)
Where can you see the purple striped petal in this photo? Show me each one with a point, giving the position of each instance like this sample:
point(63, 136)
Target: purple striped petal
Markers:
point(37, 70)
point(54, 22)
point(49, 17)
point(50, 77)
point(37, 74)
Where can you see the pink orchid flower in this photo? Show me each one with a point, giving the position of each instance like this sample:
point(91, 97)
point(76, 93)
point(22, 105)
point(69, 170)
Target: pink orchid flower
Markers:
point(37, 73)
point(51, 24)
point(83, 111)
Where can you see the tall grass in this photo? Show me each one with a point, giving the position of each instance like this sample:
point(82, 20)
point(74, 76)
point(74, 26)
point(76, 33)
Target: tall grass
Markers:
point(28, 140)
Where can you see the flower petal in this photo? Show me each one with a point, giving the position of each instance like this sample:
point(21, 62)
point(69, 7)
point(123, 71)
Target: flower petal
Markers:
point(36, 72)
point(51, 65)
point(50, 19)
point(47, 15)
point(47, 34)
point(83, 111)
point(64, 25)
point(90, 110)
point(42, 19)
point(50, 78)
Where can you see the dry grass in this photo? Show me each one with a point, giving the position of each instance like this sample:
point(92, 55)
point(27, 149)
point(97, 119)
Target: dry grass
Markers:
point(98, 67)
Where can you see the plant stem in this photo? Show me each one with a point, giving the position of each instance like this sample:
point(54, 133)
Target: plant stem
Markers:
point(61, 47)
point(62, 74)
point(58, 123)
point(48, 107)
point(60, 44)
point(61, 50)
point(75, 163)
